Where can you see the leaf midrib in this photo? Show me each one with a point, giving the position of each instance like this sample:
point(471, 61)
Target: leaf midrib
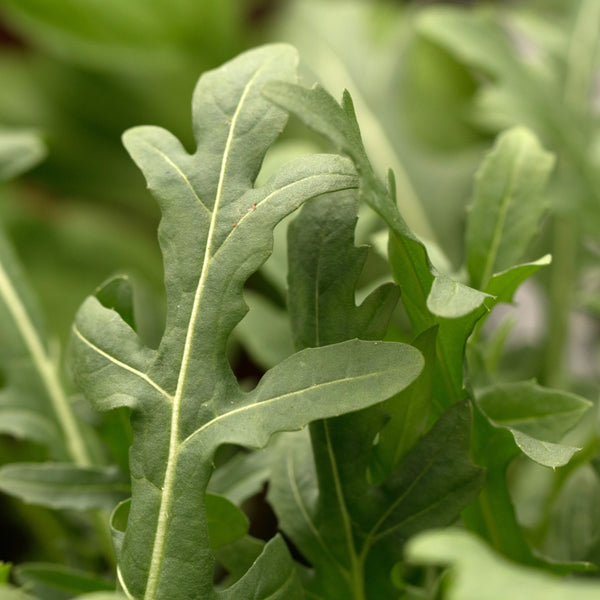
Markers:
point(291, 473)
point(174, 444)
point(279, 397)
point(122, 365)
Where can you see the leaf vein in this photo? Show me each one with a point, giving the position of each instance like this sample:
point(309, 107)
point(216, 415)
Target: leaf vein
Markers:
point(181, 174)
point(123, 365)
point(304, 512)
point(263, 403)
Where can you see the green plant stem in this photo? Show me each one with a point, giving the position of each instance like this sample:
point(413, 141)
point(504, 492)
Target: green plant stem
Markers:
point(562, 280)
point(492, 516)
point(583, 457)
point(578, 85)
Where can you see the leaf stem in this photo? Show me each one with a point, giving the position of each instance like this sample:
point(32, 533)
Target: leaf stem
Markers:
point(566, 241)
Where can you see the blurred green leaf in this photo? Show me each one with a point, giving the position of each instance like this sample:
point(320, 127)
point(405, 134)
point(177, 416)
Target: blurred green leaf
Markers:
point(573, 527)
point(56, 582)
point(244, 475)
point(64, 485)
point(19, 151)
point(265, 331)
point(477, 573)
point(507, 205)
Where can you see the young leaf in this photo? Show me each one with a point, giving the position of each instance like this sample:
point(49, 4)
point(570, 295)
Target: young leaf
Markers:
point(324, 267)
point(216, 230)
point(504, 284)
point(507, 205)
point(537, 418)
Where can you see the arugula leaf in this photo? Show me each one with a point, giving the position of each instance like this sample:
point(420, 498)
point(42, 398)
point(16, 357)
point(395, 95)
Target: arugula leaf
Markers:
point(216, 230)
point(352, 533)
point(537, 418)
point(33, 401)
point(507, 206)
point(424, 290)
point(408, 414)
point(494, 446)
point(324, 267)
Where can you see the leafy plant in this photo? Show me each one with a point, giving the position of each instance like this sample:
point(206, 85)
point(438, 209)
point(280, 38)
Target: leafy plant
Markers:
point(382, 413)
point(185, 402)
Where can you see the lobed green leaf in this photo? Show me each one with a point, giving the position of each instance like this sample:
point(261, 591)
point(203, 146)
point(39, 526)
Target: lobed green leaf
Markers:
point(216, 230)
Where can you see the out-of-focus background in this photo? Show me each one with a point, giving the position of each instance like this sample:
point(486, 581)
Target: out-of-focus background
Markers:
point(433, 83)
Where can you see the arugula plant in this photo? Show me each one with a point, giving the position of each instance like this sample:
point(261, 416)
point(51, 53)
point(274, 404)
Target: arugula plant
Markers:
point(185, 401)
point(401, 438)
point(503, 218)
